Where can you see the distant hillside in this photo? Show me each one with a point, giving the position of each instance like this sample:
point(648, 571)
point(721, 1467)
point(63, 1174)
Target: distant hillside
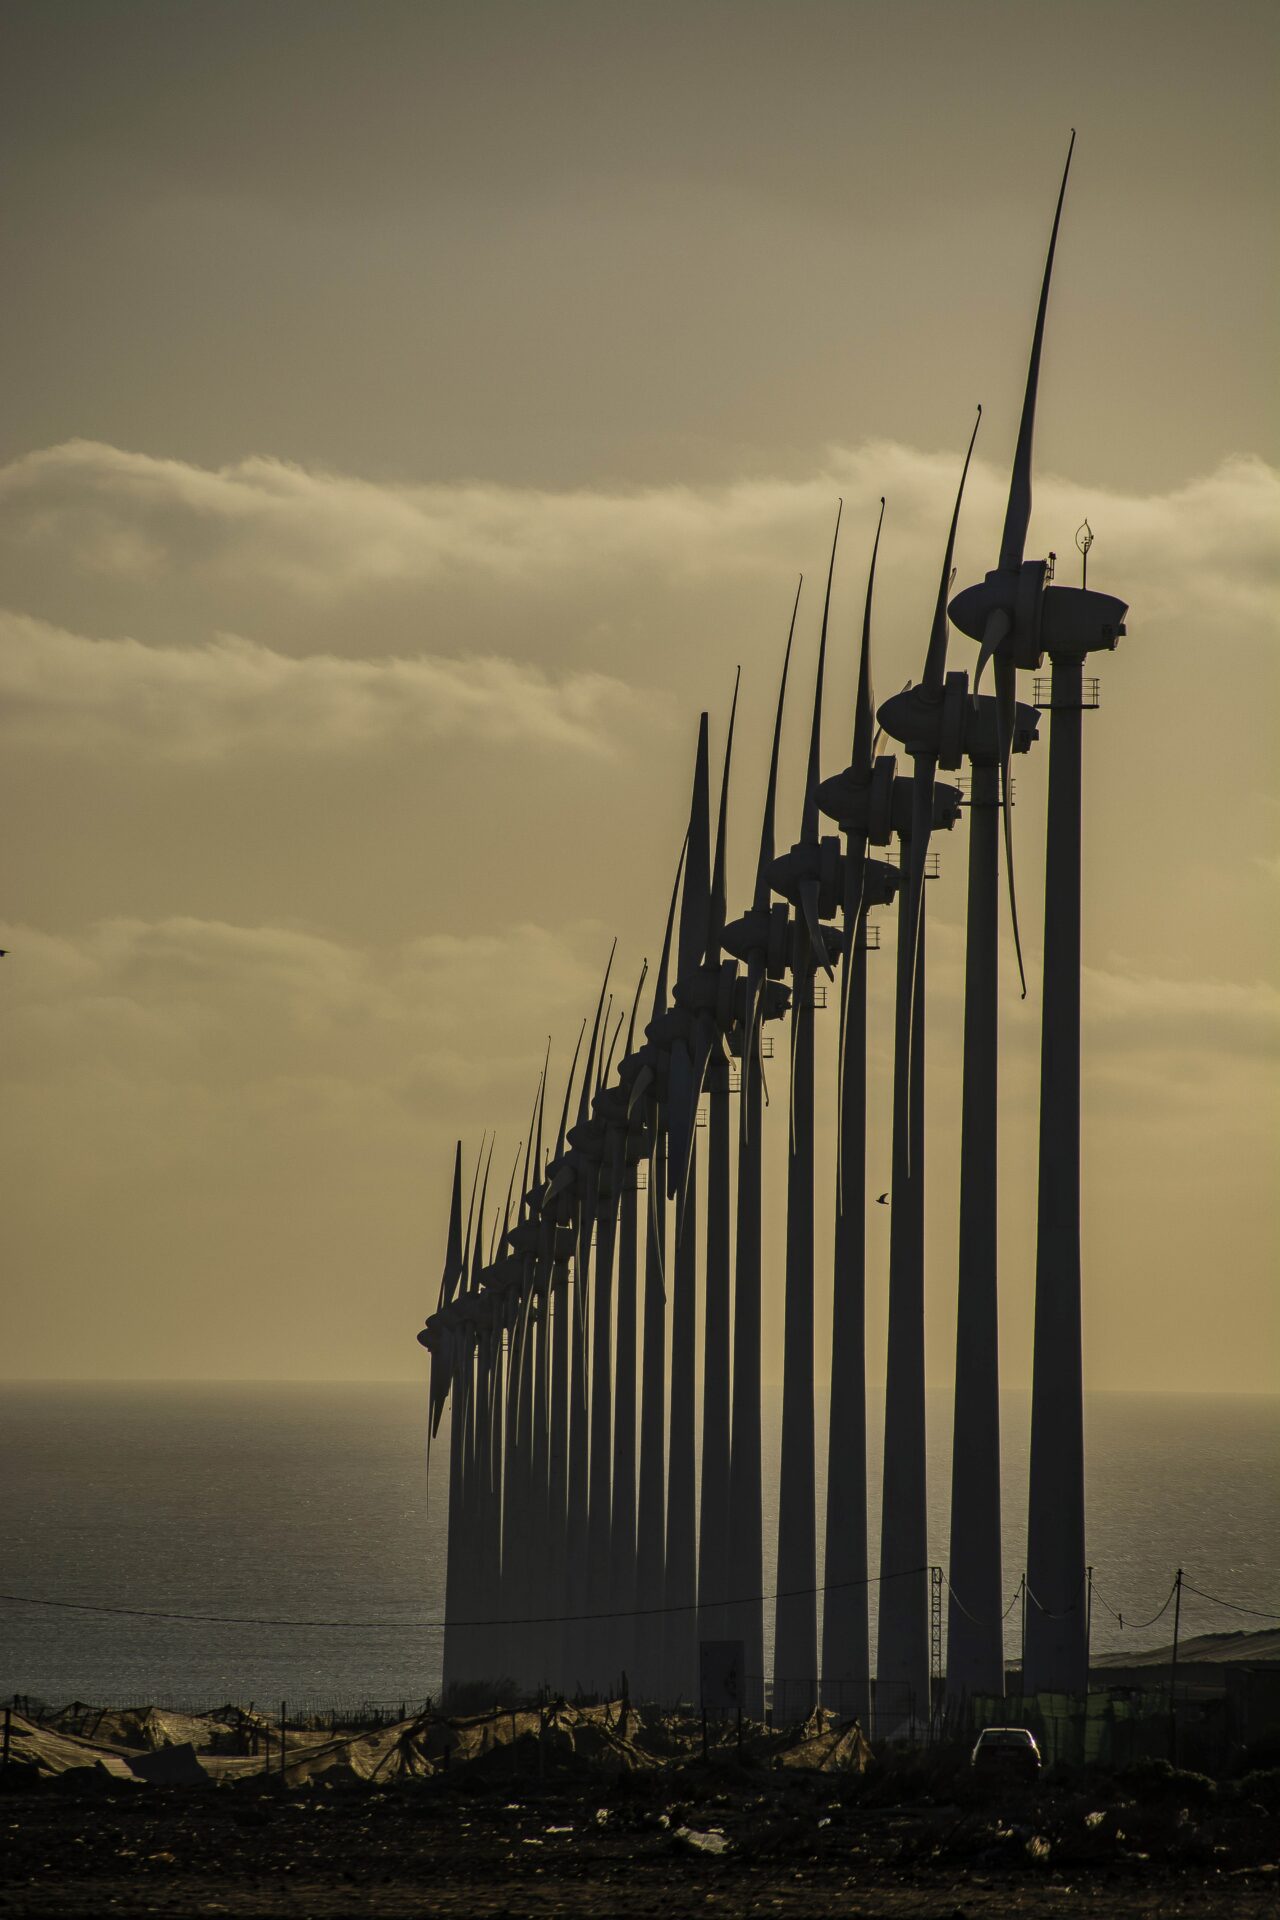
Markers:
point(1220, 1649)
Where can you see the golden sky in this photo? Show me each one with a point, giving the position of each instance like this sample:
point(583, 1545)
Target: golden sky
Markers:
point(413, 413)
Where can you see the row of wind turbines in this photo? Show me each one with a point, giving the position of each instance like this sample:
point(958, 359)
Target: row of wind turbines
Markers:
point(581, 1545)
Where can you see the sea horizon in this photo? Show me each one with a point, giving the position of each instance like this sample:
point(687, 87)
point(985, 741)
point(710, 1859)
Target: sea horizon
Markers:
point(308, 1501)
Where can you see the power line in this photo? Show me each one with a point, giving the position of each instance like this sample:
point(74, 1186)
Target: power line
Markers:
point(440, 1626)
point(621, 1613)
point(1017, 1595)
point(1259, 1613)
point(1136, 1626)
point(1051, 1613)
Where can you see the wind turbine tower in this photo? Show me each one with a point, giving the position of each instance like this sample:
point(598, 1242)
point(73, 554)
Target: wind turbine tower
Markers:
point(1017, 617)
point(859, 799)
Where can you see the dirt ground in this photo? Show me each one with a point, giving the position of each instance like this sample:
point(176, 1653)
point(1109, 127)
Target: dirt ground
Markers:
point(698, 1842)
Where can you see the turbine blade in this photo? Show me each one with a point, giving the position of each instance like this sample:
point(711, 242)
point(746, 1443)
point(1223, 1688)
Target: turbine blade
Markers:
point(639, 1087)
point(913, 929)
point(1006, 713)
point(476, 1244)
point(655, 1222)
point(855, 884)
point(705, 1035)
point(453, 1243)
point(813, 924)
point(695, 898)
point(664, 965)
point(760, 899)
point(523, 1209)
point(542, 1102)
point(511, 1187)
point(935, 665)
point(679, 1120)
point(584, 1096)
point(997, 626)
point(608, 1065)
point(716, 915)
point(750, 1037)
point(864, 746)
point(1018, 513)
point(802, 984)
point(559, 1183)
point(809, 818)
point(631, 1024)
point(568, 1089)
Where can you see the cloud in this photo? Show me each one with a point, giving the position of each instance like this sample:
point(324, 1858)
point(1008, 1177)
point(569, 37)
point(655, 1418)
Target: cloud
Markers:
point(228, 696)
point(1129, 1011)
point(238, 1050)
point(226, 1007)
point(110, 513)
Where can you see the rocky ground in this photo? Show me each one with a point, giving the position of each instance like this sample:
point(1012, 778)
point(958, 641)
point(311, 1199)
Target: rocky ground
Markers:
point(910, 1838)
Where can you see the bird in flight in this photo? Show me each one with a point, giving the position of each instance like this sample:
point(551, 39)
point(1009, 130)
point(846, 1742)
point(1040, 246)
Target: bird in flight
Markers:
point(882, 1200)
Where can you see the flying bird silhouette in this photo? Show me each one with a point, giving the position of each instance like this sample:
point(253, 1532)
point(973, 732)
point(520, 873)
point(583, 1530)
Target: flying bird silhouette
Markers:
point(882, 1200)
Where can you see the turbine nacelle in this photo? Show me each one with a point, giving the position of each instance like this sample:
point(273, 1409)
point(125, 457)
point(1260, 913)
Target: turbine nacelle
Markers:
point(810, 861)
point(880, 883)
point(949, 723)
point(946, 805)
point(506, 1272)
point(1031, 618)
point(862, 804)
point(586, 1143)
point(1077, 621)
point(761, 932)
point(665, 1029)
point(711, 990)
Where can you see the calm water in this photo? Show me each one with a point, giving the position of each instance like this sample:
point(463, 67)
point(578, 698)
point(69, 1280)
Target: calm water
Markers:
point(310, 1503)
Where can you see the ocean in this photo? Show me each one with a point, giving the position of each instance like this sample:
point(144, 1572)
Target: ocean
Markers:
point(310, 1503)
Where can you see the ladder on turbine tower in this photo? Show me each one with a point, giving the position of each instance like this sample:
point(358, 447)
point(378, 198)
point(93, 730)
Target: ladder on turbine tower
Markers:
point(935, 1650)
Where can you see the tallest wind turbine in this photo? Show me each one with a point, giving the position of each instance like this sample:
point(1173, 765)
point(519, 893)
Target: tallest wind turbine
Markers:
point(1018, 618)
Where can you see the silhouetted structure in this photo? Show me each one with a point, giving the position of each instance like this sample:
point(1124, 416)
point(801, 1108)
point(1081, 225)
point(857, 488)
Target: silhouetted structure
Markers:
point(576, 1519)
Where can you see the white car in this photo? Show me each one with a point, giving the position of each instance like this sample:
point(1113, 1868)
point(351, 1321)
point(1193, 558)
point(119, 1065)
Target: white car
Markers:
point(1006, 1750)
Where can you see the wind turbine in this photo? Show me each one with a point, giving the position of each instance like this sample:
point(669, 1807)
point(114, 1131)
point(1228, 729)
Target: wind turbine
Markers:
point(462, 1315)
point(969, 727)
point(903, 1656)
point(1017, 618)
point(709, 994)
point(597, 1636)
point(759, 938)
point(680, 1626)
point(644, 1075)
point(577, 1179)
point(629, 1146)
point(439, 1338)
point(524, 1478)
point(860, 799)
point(554, 1260)
point(808, 876)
